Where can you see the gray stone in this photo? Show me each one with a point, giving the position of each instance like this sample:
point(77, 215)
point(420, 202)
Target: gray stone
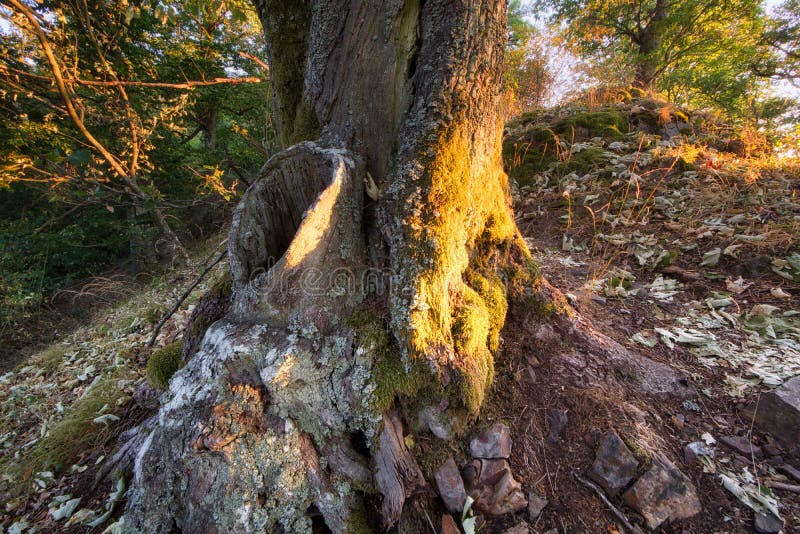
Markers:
point(557, 421)
point(495, 491)
point(778, 412)
point(491, 471)
point(614, 465)
point(767, 524)
point(536, 504)
point(742, 445)
point(451, 487)
point(663, 494)
point(431, 418)
point(494, 442)
point(696, 449)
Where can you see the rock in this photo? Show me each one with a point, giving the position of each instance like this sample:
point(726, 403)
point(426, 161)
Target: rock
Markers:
point(557, 421)
point(495, 491)
point(469, 473)
point(767, 523)
point(431, 418)
point(778, 412)
point(449, 525)
point(663, 494)
point(519, 528)
point(614, 465)
point(546, 334)
point(491, 471)
point(536, 504)
point(451, 487)
point(742, 445)
point(494, 442)
point(695, 449)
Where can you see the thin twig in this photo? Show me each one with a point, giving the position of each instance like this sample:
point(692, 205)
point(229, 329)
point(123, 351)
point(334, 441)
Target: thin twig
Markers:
point(613, 508)
point(183, 297)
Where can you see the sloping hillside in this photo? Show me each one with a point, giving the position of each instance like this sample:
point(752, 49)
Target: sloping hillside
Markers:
point(675, 235)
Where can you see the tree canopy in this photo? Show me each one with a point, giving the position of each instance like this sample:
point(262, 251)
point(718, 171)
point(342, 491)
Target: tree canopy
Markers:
point(696, 51)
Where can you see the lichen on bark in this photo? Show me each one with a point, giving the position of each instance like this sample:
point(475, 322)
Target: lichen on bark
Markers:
point(332, 362)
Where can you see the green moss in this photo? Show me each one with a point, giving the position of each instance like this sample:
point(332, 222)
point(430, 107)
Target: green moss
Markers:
point(641, 454)
point(492, 292)
point(610, 124)
point(521, 276)
point(163, 363)
point(525, 118)
point(534, 152)
point(434, 455)
point(358, 522)
point(391, 376)
point(582, 162)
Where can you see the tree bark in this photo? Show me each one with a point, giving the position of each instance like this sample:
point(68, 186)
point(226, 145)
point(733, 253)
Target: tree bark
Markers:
point(371, 266)
point(650, 40)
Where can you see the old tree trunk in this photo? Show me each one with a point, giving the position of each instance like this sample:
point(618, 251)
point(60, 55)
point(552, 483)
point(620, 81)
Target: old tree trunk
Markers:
point(371, 267)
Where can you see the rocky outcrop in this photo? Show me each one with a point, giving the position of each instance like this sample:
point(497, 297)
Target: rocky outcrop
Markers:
point(451, 487)
point(663, 494)
point(614, 465)
point(494, 442)
point(778, 412)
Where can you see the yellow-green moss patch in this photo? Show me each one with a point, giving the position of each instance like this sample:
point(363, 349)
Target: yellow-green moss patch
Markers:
point(163, 363)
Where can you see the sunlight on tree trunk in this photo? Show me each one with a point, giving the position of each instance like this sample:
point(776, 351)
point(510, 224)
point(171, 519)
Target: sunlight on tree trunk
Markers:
point(372, 264)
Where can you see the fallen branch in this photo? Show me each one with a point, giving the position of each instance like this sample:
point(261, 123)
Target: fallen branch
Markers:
point(183, 297)
point(126, 83)
point(774, 484)
point(614, 509)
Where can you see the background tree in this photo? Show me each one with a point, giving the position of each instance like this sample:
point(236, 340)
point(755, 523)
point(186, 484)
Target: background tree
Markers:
point(528, 77)
point(783, 35)
point(135, 150)
point(698, 51)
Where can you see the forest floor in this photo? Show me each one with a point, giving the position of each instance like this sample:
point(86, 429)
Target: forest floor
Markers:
point(684, 248)
point(660, 227)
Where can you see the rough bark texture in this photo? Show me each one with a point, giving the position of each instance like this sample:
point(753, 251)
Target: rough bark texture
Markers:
point(355, 319)
point(649, 40)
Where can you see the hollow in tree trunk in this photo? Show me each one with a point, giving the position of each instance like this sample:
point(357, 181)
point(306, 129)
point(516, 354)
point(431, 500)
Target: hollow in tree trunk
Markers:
point(371, 267)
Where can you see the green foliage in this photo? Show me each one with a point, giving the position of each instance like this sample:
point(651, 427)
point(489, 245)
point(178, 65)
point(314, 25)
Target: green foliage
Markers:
point(65, 213)
point(527, 77)
point(164, 363)
point(698, 52)
point(783, 35)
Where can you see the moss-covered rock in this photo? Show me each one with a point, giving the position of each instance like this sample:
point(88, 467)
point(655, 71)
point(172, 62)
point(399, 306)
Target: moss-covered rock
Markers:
point(610, 123)
point(534, 151)
point(582, 162)
point(163, 363)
